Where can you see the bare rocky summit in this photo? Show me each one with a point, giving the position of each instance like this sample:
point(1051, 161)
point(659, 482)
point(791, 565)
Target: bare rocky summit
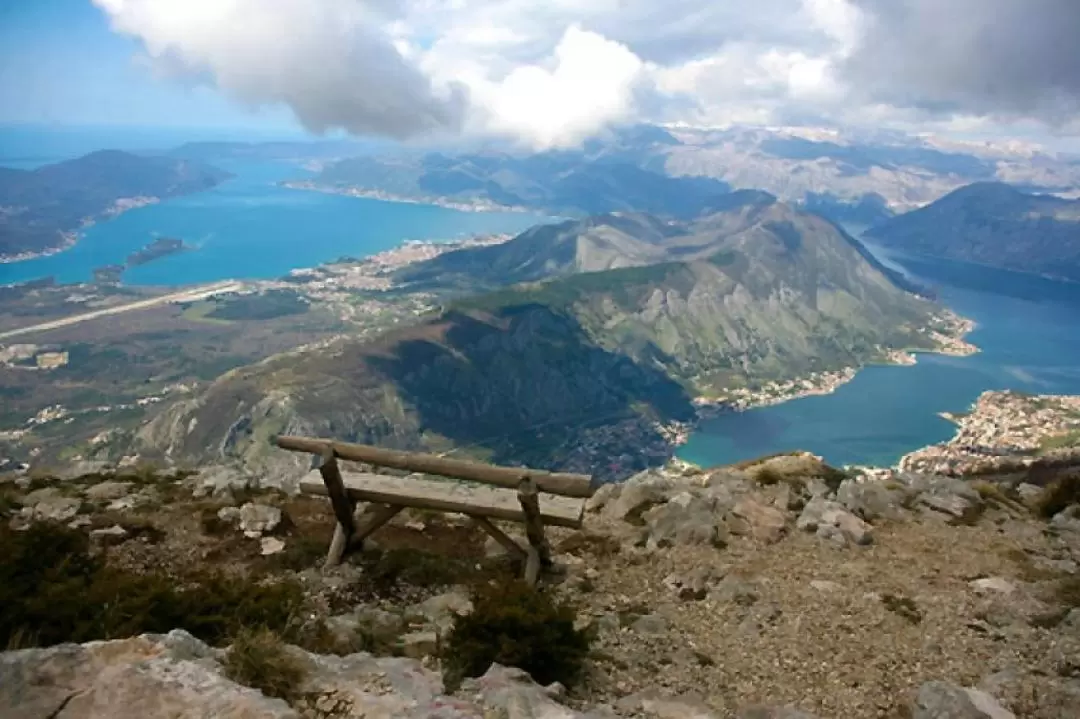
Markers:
point(776, 589)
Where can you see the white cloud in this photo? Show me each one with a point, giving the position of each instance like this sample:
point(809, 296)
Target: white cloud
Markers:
point(588, 83)
point(549, 73)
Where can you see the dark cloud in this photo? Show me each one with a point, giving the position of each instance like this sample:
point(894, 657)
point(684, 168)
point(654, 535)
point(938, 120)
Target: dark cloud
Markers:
point(1007, 58)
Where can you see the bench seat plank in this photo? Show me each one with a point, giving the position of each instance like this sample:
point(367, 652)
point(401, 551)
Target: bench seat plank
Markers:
point(450, 496)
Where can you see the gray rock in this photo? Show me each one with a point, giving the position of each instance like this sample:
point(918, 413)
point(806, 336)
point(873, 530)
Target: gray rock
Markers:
point(734, 590)
point(991, 585)
point(83, 467)
point(1028, 492)
point(40, 495)
point(441, 610)
point(988, 705)
point(767, 712)
point(229, 514)
point(109, 535)
point(53, 509)
point(511, 694)
point(175, 675)
point(603, 495)
point(638, 494)
point(1067, 520)
point(766, 523)
point(147, 676)
point(257, 519)
point(941, 700)
point(684, 520)
point(949, 496)
point(107, 491)
point(692, 585)
point(270, 545)
point(830, 520)
point(650, 624)
point(417, 645)
point(220, 481)
point(872, 500)
point(825, 586)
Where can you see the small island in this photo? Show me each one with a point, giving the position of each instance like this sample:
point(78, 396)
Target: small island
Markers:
point(161, 247)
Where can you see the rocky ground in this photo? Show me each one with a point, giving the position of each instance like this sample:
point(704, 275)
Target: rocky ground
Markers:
point(781, 588)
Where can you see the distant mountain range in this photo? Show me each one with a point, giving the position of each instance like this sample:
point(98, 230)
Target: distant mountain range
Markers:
point(996, 225)
point(38, 206)
point(616, 316)
point(558, 183)
point(848, 178)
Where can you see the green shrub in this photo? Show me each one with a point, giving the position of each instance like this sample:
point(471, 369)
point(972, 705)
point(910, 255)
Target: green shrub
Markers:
point(1059, 496)
point(515, 625)
point(54, 590)
point(259, 659)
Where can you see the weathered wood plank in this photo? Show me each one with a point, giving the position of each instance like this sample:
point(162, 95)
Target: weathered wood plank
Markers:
point(568, 485)
point(489, 502)
point(500, 536)
point(539, 549)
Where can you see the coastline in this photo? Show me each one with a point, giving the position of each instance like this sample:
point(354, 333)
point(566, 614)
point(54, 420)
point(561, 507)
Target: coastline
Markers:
point(947, 329)
point(950, 339)
point(69, 238)
point(1003, 431)
point(371, 194)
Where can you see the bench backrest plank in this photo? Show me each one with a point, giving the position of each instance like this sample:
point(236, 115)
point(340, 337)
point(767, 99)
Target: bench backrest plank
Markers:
point(567, 485)
point(490, 502)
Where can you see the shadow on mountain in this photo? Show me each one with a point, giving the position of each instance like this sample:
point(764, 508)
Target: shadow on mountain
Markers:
point(523, 382)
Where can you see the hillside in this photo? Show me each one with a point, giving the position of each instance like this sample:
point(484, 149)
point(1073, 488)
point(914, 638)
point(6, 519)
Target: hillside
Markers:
point(996, 225)
point(756, 293)
point(559, 183)
point(513, 385)
point(759, 291)
point(37, 206)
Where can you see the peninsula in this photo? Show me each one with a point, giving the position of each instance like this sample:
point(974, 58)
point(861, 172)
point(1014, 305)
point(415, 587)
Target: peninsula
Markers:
point(1003, 430)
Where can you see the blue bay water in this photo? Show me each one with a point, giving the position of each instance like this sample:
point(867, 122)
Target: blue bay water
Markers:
point(249, 227)
point(1029, 334)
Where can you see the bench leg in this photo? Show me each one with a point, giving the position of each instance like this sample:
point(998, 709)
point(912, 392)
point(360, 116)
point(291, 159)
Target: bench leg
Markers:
point(501, 537)
point(343, 505)
point(539, 549)
point(383, 513)
point(337, 547)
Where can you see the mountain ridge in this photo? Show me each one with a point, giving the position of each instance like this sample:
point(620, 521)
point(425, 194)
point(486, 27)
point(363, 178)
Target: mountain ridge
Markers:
point(758, 292)
point(38, 206)
point(994, 224)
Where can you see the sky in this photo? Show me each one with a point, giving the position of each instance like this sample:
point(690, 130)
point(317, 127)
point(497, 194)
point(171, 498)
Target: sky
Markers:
point(545, 73)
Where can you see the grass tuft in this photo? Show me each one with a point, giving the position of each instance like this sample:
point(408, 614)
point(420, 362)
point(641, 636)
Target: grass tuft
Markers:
point(1058, 496)
point(258, 658)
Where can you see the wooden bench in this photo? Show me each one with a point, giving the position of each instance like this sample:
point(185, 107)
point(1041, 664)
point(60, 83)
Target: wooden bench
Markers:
point(563, 503)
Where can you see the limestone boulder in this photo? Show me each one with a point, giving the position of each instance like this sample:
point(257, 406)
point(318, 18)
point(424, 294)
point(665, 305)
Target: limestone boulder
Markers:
point(685, 520)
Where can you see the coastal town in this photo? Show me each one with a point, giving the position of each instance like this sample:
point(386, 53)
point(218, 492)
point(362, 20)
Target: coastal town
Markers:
point(1003, 429)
